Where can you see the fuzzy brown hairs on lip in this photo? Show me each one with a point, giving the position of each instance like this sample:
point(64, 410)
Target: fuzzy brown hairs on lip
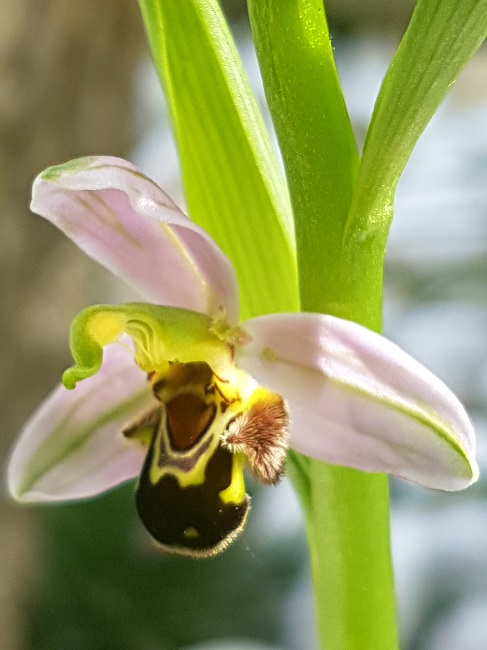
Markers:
point(261, 434)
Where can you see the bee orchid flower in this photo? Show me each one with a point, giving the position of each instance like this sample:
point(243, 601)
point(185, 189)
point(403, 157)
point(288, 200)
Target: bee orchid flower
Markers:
point(175, 391)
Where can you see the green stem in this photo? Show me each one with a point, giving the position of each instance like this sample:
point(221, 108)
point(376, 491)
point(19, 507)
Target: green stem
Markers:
point(340, 269)
point(347, 515)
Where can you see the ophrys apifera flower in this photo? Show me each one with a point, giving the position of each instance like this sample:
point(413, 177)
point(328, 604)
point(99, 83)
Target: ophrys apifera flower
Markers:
point(177, 392)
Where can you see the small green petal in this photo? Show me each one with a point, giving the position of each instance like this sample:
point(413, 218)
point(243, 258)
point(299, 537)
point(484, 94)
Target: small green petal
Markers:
point(160, 335)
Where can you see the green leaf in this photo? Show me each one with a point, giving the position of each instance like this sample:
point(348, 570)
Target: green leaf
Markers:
point(315, 136)
point(233, 185)
point(441, 38)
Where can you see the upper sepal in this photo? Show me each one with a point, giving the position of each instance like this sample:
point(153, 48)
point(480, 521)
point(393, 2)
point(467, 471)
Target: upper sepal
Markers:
point(356, 399)
point(128, 224)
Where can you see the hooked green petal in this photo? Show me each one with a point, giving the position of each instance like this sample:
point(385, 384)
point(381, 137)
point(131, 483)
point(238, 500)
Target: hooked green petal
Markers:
point(160, 335)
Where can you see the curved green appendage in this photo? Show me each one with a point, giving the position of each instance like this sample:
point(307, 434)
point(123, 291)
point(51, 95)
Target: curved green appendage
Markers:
point(160, 335)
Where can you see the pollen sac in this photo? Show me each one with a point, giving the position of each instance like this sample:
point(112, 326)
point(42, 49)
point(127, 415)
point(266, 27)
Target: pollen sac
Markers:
point(191, 493)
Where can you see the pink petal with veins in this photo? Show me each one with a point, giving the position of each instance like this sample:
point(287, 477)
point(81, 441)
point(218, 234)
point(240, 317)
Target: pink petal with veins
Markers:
point(358, 400)
point(72, 447)
point(126, 222)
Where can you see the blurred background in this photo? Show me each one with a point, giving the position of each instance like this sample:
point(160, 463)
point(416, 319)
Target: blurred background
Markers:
point(76, 79)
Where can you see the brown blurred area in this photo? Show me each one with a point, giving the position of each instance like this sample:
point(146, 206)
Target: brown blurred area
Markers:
point(66, 70)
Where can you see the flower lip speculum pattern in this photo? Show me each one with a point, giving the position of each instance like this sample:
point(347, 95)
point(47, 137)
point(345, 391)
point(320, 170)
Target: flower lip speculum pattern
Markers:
point(191, 494)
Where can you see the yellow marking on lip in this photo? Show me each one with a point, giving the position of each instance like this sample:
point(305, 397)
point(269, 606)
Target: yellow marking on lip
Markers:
point(195, 476)
point(191, 533)
point(235, 492)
